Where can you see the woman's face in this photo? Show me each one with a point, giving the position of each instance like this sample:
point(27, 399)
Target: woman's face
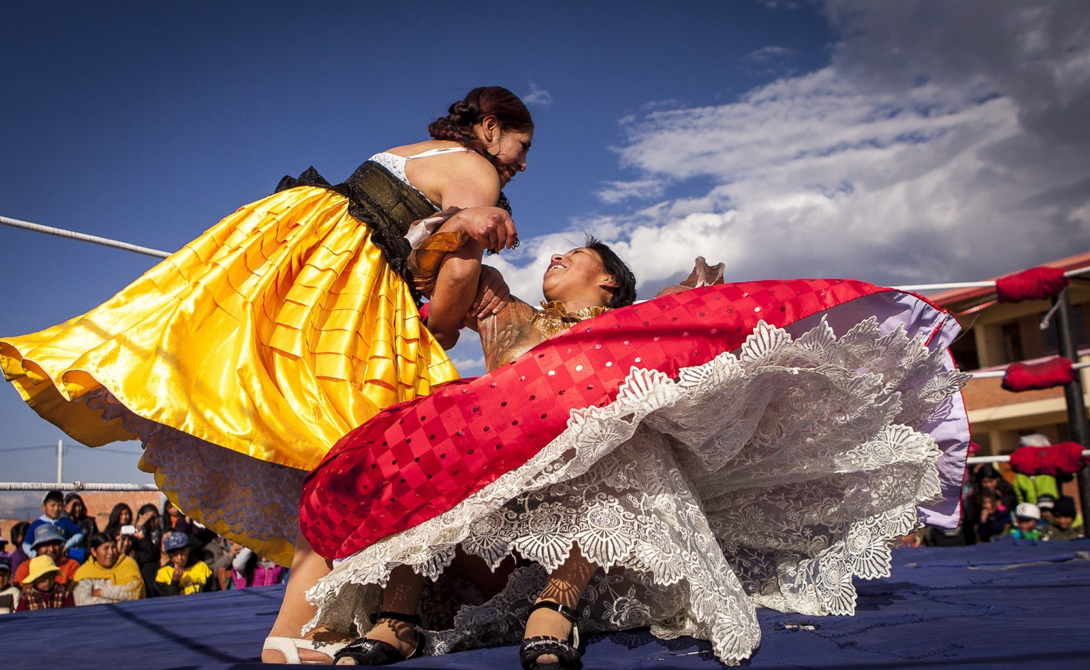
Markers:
point(172, 511)
point(105, 554)
point(125, 518)
point(75, 509)
point(571, 273)
point(508, 148)
point(124, 544)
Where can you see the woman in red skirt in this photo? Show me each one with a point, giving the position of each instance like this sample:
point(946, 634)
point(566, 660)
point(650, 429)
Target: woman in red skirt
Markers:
point(671, 464)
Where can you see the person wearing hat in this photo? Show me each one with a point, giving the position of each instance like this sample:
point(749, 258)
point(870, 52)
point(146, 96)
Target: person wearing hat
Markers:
point(1045, 502)
point(1027, 523)
point(52, 515)
point(42, 588)
point(48, 541)
point(1066, 523)
point(183, 574)
point(9, 594)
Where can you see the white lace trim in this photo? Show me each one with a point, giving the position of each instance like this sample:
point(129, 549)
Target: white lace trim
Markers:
point(770, 478)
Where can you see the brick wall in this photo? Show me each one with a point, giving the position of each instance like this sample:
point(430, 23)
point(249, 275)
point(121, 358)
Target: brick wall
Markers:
point(99, 504)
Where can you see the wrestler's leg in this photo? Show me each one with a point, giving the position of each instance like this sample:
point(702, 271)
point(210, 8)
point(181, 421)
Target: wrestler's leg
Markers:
point(455, 289)
point(565, 586)
point(401, 595)
point(307, 568)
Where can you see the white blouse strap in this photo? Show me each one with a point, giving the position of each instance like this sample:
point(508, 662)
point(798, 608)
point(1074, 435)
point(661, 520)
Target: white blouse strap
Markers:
point(438, 152)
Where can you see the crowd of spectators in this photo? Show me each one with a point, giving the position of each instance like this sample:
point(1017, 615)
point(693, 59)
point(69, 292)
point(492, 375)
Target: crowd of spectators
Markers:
point(1029, 510)
point(61, 559)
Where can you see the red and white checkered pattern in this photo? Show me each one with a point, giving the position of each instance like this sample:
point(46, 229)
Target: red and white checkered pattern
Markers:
point(416, 460)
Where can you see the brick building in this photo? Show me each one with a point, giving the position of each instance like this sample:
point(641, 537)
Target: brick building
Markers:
point(999, 334)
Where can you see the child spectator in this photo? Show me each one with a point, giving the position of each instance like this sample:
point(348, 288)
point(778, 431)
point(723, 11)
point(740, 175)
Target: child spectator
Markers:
point(1027, 523)
point(18, 534)
point(52, 508)
point(1045, 502)
point(9, 594)
point(1065, 524)
point(175, 521)
point(76, 510)
point(107, 577)
point(41, 588)
point(183, 575)
point(49, 542)
point(249, 569)
point(120, 515)
point(993, 521)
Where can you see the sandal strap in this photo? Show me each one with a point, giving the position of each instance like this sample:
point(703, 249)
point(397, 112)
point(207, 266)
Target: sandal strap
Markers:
point(564, 611)
point(369, 652)
point(376, 652)
point(533, 648)
point(413, 619)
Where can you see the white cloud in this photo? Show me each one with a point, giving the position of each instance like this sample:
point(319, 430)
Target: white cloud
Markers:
point(768, 55)
point(537, 96)
point(468, 365)
point(616, 191)
point(937, 144)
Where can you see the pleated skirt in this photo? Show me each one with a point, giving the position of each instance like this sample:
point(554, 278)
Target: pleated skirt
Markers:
point(239, 360)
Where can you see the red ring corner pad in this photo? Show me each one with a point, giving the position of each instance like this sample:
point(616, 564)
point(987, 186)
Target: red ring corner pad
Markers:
point(1033, 284)
point(1056, 371)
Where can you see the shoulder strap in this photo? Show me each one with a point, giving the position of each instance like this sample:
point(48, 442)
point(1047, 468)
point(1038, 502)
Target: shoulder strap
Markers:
point(438, 152)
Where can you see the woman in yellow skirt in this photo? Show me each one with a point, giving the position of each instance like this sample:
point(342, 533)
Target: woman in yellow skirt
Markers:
point(240, 359)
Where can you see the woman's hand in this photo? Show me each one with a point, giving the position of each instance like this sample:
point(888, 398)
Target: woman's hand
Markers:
point(492, 227)
point(492, 293)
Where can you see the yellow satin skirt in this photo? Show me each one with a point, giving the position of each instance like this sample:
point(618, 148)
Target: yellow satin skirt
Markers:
point(239, 361)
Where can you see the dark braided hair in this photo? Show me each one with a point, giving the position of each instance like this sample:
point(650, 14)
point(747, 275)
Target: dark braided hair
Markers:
point(484, 101)
point(625, 293)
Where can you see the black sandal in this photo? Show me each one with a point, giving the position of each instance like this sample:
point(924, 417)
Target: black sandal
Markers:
point(567, 653)
point(377, 652)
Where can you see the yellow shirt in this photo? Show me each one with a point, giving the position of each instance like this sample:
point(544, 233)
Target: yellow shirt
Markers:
point(193, 578)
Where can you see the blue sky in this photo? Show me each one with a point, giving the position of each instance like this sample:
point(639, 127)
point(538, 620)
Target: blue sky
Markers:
point(892, 142)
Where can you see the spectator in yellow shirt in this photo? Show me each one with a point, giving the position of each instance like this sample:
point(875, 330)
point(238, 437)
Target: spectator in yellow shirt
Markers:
point(183, 575)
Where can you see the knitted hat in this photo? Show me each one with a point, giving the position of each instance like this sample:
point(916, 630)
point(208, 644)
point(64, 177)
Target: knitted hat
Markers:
point(1065, 506)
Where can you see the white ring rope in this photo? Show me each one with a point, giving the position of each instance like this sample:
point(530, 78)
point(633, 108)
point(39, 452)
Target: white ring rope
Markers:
point(106, 242)
point(74, 486)
point(82, 237)
point(987, 374)
point(974, 460)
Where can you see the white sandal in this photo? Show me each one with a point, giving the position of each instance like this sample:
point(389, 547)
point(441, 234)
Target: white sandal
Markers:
point(289, 647)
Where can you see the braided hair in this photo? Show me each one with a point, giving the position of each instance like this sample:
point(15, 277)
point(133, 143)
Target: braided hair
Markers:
point(479, 103)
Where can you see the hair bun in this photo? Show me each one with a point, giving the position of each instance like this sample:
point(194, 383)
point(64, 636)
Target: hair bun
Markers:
point(464, 113)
